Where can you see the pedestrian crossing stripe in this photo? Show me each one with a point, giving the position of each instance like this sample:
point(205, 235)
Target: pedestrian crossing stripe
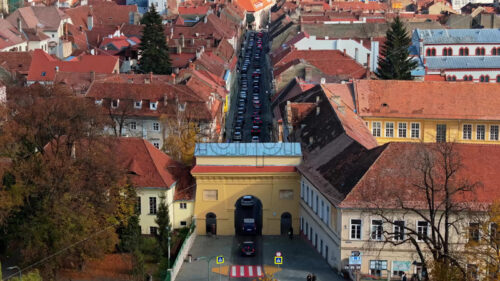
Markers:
point(246, 271)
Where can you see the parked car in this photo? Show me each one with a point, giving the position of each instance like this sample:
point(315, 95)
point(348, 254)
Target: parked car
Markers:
point(255, 139)
point(237, 136)
point(255, 130)
point(249, 226)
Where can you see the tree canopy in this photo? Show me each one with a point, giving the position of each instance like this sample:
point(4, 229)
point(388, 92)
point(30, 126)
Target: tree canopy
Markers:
point(66, 193)
point(153, 51)
point(394, 62)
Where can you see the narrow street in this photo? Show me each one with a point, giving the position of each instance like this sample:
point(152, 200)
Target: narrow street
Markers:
point(249, 118)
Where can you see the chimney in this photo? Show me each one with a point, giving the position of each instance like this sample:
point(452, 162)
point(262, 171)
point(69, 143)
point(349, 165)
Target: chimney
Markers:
point(344, 52)
point(92, 76)
point(73, 151)
point(199, 52)
point(308, 73)
point(171, 32)
point(205, 19)
point(182, 40)
point(173, 78)
point(19, 25)
point(179, 49)
point(90, 21)
point(367, 65)
point(317, 110)
point(57, 69)
point(151, 76)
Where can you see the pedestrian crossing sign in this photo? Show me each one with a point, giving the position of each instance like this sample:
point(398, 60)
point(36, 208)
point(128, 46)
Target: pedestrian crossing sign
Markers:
point(278, 260)
point(220, 259)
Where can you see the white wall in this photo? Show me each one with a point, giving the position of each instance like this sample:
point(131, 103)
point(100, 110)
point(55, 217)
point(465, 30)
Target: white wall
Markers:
point(354, 49)
point(316, 221)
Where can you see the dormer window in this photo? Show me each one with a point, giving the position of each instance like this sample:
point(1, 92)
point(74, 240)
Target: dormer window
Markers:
point(138, 104)
point(115, 103)
point(182, 106)
point(98, 102)
point(153, 105)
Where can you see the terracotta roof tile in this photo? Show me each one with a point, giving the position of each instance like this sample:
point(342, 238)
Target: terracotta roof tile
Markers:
point(254, 5)
point(43, 66)
point(428, 99)
point(9, 35)
point(16, 61)
point(387, 177)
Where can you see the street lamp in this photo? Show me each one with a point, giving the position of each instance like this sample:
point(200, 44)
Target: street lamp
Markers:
point(169, 249)
point(208, 259)
point(16, 267)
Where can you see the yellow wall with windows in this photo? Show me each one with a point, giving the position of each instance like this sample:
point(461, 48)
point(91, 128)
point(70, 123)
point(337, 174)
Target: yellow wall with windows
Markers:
point(231, 186)
point(427, 132)
point(181, 214)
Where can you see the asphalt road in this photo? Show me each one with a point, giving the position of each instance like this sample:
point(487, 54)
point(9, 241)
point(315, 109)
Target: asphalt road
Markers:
point(239, 259)
point(264, 90)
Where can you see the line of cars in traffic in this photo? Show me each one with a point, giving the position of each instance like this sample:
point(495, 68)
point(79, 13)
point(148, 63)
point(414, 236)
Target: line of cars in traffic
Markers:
point(249, 227)
point(250, 89)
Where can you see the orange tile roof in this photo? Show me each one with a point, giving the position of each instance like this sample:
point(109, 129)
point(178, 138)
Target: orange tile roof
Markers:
point(16, 61)
point(428, 99)
point(43, 66)
point(254, 5)
point(387, 178)
point(147, 165)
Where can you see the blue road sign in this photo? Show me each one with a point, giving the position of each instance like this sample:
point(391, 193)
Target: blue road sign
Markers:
point(278, 260)
point(220, 259)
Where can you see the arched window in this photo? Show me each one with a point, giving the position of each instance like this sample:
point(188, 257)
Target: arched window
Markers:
point(498, 51)
point(470, 77)
point(466, 78)
point(450, 52)
point(461, 51)
point(448, 78)
point(498, 78)
point(445, 51)
point(453, 78)
point(486, 78)
point(480, 51)
point(494, 52)
point(466, 51)
point(433, 52)
point(428, 52)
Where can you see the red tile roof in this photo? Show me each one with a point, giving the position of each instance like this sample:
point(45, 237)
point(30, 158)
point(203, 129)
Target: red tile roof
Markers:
point(43, 66)
point(16, 61)
point(103, 12)
point(360, 6)
point(243, 169)
point(330, 62)
point(42, 17)
point(391, 176)
point(146, 165)
point(193, 10)
point(181, 60)
point(427, 99)
point(9, 35)
point(254, 5)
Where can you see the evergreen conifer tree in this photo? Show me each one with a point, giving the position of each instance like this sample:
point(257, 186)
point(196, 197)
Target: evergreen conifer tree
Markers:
point(153, 48)
point(395, 63)
point(164, 226)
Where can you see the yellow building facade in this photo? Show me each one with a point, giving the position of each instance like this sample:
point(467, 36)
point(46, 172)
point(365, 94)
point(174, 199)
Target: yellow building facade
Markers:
point(427, 130)
point(266, 171)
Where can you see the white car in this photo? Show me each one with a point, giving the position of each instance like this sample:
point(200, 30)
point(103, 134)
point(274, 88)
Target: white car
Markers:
point(255, 139)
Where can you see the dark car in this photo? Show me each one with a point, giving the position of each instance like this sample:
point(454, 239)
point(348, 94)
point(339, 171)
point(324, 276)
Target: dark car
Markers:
point(255, 130)
point(249, 226)
point(248, 248)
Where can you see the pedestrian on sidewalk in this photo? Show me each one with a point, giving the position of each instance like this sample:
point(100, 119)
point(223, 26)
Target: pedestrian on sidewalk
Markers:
point(290, 233)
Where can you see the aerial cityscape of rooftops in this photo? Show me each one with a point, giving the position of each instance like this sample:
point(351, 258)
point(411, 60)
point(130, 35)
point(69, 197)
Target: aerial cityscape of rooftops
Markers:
point(250, 140)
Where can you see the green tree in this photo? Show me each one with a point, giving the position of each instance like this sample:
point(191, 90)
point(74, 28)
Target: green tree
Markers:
point(73, 192)
point(164, 232)
point(395, 62)
point(153, 49)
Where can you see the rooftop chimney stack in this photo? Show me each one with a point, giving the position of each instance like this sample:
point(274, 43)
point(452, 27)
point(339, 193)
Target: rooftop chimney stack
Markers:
point(19, 25)
point(182, 40)
point(92, 76)
point(368, 65)
point(90, 21)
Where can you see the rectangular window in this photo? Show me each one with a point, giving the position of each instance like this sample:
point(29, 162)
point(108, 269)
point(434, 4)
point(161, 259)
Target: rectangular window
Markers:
point(133, 125)
point(156, 126)
point(307, 194)
point(389, 129)
point(316, 205)
point(153, 105)
point(399, 230)
point(321, 210)
point(311, 232)
point(138, 205)
point(311, 198)
point(138, 104)
point(355, 229)
point(301, 224)
point(377, 267)
point(183, 223)
point(153, 230)
point(376, 230)
point(415, 130)
point(467, 132)
point(326, 252)
point(327, 215)
point(307, 229)
point(402, 130)
point(156, 144)
point(210, 195)
point(480, 132)
point(114, 103)
point(441, 133)
point(302, 190)
point(422, 230)
point(493, 132)
point(286, 194)
point(376, 127)
point(316, 240)
point(474, 231)
point(183, 205)
point(152, 205)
